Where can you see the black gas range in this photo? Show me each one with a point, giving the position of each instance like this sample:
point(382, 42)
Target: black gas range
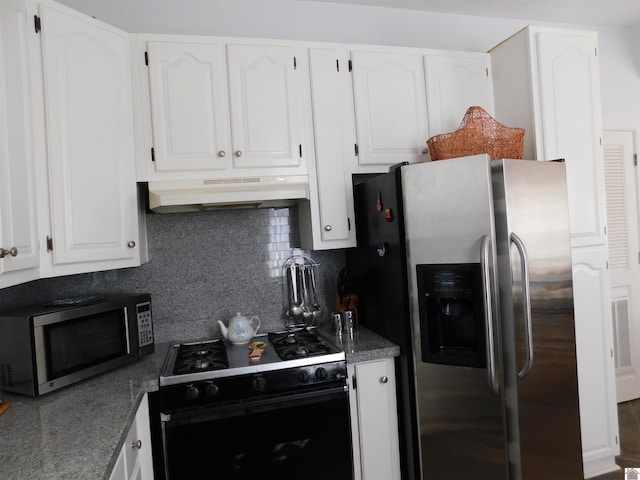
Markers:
point(279, 414)
point(299, 357)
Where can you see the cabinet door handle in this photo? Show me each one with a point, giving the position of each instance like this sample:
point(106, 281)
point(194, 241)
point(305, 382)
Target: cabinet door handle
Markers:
point(137, 444)
point(328, 228)
point(238, 153)
point(13, 251)
point(222, 153)
point(131, 244)
point(384, 379)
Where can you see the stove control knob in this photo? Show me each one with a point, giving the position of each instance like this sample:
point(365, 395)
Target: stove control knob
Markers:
point(259, 383)
point(192, 392)
point(211, 389)
point(303, 376)
point(321, 373)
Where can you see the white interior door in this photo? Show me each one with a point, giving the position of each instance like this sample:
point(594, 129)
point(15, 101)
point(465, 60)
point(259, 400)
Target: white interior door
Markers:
point(621, 180)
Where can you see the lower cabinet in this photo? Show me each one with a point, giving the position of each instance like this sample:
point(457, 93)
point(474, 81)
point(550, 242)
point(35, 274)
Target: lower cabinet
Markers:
point(374, 420)
point(135, 461)
point(596, 369)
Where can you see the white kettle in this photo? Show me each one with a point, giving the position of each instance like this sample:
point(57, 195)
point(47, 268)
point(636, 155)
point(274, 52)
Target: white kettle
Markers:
point(241, 329)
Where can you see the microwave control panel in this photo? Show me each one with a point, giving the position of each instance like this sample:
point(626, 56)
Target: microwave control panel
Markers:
point(145, 325)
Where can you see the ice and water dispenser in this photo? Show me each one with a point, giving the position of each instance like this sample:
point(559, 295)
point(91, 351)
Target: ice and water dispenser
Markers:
point(452, 319)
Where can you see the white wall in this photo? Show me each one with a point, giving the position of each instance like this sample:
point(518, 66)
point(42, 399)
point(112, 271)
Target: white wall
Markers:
point(292, 19)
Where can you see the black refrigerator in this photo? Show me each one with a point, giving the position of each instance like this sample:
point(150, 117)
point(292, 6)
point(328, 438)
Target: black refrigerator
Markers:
point(466, 265)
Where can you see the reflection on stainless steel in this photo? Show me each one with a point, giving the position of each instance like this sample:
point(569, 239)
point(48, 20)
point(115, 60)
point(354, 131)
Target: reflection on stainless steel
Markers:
point(482, 258)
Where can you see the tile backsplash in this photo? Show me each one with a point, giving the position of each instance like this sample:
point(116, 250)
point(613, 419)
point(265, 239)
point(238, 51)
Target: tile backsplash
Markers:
point(203, 267)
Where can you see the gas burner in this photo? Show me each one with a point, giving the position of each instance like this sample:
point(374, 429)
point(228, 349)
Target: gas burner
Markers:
point(298, 344)
point(201, 353)
point(200, 357)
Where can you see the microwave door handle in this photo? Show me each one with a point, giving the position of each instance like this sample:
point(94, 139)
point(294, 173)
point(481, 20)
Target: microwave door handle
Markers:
point(485, 261)
point(526, 293)
point(126, 329)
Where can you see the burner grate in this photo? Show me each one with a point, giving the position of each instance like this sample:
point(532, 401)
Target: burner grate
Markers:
point(298, 344)
point(201, 357)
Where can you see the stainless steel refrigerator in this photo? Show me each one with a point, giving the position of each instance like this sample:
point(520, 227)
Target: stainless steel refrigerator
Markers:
point(466, 264)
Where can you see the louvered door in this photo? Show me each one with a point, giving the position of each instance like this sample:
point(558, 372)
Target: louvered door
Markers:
point(624, 258)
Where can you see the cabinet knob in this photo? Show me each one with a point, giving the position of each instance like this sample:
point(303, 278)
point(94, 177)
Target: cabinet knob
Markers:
point(238, 153)
point(384, 379)
point(137, 444)
point(425, 151)
point(328, 228)
point(222, 153)
point(131, 244)
point(13, 251)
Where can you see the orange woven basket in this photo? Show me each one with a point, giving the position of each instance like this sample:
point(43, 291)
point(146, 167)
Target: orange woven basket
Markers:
point(478, 133)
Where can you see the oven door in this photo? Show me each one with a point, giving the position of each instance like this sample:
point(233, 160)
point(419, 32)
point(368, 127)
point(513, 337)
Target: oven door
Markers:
point(300, 435)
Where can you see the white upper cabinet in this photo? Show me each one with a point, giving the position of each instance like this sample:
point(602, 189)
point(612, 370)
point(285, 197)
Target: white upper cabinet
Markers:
point(225, 110)
point(89, 134)
point(327, 221)
point(547, 81)
point(19, 257)
point(571, 124)
point(391, 109)
point(267, 114)
point(455, 82)
point(189, 106)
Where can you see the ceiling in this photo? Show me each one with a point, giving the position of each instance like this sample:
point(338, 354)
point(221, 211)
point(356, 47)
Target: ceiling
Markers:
point(614, 13)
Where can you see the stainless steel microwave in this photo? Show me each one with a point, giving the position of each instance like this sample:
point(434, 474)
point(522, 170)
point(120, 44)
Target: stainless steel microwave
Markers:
point(47, 347)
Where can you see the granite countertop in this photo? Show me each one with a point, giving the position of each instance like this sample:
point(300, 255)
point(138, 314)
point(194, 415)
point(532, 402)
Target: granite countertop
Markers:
point(77, 432)
point(364, 346)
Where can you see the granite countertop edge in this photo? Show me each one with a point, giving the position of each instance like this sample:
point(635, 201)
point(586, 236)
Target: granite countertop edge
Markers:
point(78, 431)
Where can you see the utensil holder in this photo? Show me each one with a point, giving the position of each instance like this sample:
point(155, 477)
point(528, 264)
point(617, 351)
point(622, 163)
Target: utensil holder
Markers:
point(299, 292)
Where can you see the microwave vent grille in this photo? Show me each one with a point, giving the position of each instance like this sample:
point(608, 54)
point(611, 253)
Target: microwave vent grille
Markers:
point(6, 377)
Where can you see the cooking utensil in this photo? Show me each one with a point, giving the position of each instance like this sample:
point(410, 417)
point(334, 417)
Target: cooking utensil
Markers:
point(316, 310)
point(307, 313)
point(295, 307)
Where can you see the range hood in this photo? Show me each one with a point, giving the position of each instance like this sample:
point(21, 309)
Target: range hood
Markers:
point(169, 196)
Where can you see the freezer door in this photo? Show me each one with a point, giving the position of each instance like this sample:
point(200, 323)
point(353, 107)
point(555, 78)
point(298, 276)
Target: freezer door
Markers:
point(535, 290)
point(448, 219)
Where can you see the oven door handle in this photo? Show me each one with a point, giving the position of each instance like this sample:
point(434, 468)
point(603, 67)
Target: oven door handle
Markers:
point(213, 411)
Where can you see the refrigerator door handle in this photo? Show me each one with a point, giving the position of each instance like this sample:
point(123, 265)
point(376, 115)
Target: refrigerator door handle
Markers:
point(526, 293)
point(485, 261)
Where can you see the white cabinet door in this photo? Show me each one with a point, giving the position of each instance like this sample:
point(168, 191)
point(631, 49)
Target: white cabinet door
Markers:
point(374, 420)
point(89, 122)
point(189, 106)
point(135, 461)
point(327, 221)
point(455, 82)
point(594, 351)
point(18, 241)
point(267, 112)
point(571, 126)
point(391, 109)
